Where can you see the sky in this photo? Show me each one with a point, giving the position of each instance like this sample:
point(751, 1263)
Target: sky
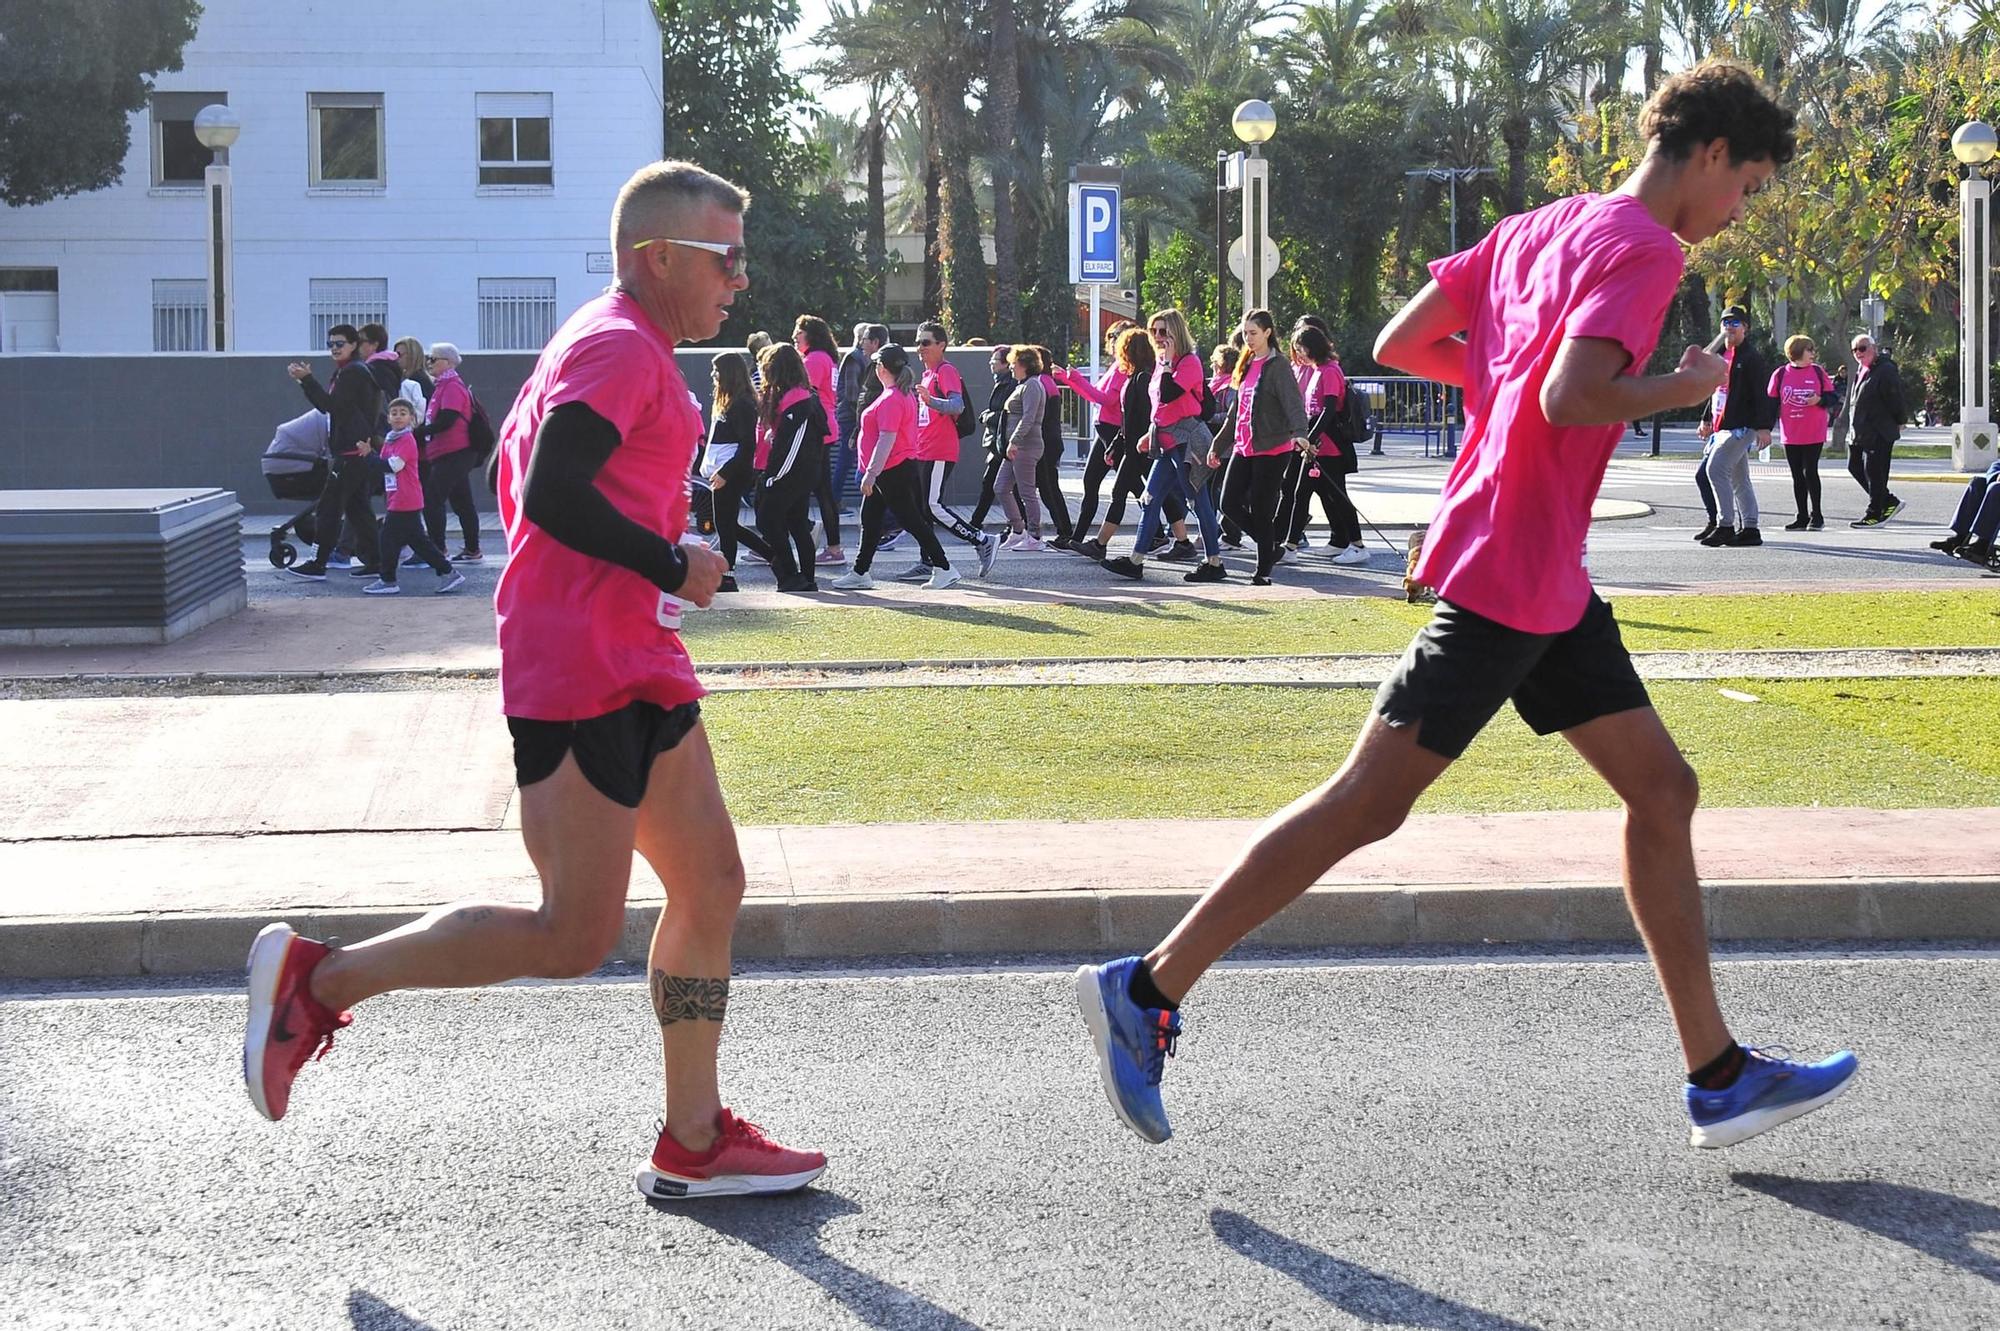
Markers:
point(798, 54)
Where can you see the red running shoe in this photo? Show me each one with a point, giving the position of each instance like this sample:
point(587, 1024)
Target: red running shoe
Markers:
point(286, 1022)
point(742, 1161)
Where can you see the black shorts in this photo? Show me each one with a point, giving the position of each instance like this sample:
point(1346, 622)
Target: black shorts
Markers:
point(614, 752)
point(1463, 666)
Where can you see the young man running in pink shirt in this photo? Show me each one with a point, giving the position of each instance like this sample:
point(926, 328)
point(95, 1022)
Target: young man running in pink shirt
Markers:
point(1547, 324)
point(602, 702)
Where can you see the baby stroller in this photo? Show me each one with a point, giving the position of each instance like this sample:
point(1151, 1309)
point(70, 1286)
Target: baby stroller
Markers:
point(295, 467)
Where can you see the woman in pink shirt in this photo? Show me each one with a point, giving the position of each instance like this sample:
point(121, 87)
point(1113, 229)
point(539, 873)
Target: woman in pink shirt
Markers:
point(1803, 389)
point(1107, 396)
point(1265, 425)
point(1332, 462)
point(1176, 432)
point(813, 340)
point(892, 474)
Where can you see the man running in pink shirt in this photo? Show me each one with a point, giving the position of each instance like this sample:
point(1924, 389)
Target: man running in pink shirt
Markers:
point(1547, 324)
point(602, 702)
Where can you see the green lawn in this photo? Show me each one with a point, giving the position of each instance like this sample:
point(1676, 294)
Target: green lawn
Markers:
point(1969, 617)
point(1084, 753)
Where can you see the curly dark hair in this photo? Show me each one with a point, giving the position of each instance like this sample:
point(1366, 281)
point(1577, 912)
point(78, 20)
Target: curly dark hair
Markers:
point(1719, 99)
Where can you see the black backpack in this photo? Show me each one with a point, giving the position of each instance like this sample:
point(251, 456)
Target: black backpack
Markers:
point(479, 428)
point(1350, 424)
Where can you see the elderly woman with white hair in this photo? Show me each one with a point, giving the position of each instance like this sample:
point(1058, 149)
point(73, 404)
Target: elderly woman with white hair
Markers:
point(448, 457)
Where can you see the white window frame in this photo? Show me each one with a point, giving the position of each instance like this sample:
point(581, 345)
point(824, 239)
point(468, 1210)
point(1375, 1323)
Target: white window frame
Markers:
point(513, 106)
point(180, 314)
point(344, 300)
point(355, 101)
point(161, 185)
point(516, 313)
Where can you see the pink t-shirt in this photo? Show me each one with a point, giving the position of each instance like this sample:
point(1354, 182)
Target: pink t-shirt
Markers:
point(937, 431)
point(580, 637)
point(1325, 390)
point(1246, 398)
point(1794, 386)
point(1108, 393)
point(760, 457)
point(402, 490)
point(820, 372)
point(1188, 374)
point(1508, 539)
point(893, 411)
point(449, 394)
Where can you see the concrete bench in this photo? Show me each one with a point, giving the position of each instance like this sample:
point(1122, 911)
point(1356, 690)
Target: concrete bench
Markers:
point(88, 567)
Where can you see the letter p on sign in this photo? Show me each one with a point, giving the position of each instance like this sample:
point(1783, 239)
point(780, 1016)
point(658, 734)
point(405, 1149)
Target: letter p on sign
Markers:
point(1093, 230)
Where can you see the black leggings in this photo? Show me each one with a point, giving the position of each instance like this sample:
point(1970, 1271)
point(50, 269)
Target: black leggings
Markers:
point(1133, 467)
point(1048, 482)
point(899, 490)
point(735, 475)
point(1330, 486)
point(1253, 491)
point(1095, 469)
point(1803, 459)
point(828, 495)
point(346, 495)
point(448, 480)
point(992, 473)
point(784, 511)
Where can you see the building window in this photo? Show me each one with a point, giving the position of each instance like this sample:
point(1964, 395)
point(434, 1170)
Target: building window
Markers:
point(514, 138)
point(345, 139)
point(516, 313)
point(180, 314)
point(345, 300)
point(178, 157)
point(29, 313)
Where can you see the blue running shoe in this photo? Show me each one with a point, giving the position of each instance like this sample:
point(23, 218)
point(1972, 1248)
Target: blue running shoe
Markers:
point(1772, 1090)
point(1132, 1045)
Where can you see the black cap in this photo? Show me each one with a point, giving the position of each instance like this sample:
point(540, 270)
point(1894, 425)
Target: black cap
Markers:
point(893, 359)
point(1738, 313)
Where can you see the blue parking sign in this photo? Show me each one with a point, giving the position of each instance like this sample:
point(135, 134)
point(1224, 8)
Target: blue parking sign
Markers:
point(1094, 254)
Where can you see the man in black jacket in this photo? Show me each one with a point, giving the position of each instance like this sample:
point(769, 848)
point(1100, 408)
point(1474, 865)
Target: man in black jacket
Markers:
point(1740, 415)
point(353, 403)
point(1877, 422)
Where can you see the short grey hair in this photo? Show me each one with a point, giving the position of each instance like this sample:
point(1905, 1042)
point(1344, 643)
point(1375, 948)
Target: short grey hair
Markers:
point(668, 188)
point(448, 351)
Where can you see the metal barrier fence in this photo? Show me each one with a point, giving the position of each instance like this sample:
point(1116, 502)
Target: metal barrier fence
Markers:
point(1399, 404)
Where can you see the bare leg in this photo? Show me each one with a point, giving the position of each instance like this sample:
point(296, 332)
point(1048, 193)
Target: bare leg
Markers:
point(685, 834)
point(581, 844)
point(1364, 801)
point(1634, 753)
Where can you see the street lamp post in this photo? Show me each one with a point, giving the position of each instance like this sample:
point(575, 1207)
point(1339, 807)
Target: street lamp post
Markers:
point(1254, 123)
point(1222, 188)
point(1972, 440)
point(216, 127)
point(1451, 175)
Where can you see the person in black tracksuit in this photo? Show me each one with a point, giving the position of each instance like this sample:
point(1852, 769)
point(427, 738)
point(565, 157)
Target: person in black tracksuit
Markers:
point(1876, 422)
point(792, 420)
point(732, 436)
point(994, 434)
point(353, 403)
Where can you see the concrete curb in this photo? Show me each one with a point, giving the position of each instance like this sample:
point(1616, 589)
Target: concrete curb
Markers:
point(1832, 909)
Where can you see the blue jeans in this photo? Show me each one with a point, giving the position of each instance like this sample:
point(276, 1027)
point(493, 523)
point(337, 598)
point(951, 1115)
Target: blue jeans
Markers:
point(1169, 477)
point(1979, 507)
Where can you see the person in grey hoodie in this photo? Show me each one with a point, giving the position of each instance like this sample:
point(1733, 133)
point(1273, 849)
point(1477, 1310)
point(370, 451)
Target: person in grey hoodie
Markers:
point(1265, 426)
point(1025, 407)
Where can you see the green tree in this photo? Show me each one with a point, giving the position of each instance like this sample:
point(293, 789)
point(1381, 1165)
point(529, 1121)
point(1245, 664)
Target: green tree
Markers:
point(70, 78)
point(731, 107)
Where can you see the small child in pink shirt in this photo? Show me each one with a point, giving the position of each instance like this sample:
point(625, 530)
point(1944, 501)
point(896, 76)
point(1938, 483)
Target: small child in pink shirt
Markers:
point(403, 488)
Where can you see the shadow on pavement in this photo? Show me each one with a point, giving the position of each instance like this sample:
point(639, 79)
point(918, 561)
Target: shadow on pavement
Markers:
point(1935, 1223)
point(1355, 1290)
point(369, 1313)
point(788, 1229)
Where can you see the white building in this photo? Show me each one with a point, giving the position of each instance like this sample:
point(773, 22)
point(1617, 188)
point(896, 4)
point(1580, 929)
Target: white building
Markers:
point(444, 168)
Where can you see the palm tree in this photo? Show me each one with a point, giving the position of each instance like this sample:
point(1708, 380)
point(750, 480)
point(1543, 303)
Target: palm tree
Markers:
point(1526, 56)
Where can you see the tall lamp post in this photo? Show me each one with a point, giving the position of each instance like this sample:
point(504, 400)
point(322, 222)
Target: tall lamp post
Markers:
point(1254, 123)
point(1451, 175)
point(216, 128)
point(1972, 440)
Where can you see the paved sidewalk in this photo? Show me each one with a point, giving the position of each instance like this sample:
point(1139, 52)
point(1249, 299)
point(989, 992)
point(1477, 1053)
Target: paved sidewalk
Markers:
point(117, 905)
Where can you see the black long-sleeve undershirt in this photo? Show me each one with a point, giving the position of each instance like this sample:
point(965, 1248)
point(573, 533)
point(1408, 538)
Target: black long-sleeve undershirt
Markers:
point(444, 421)
point(561, 497)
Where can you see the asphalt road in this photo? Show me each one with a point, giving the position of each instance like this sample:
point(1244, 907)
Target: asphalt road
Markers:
point(1651, 552)
point(1440, 1145)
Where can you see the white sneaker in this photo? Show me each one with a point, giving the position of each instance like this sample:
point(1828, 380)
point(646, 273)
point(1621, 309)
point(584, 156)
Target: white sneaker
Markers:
point(851, 581)
point(914, 573)
point(1352, 554)
point(941, 578)
point(989, 547)
point(451, 582)
point(1288, 555)
point(381, 588)
point(1026, 544)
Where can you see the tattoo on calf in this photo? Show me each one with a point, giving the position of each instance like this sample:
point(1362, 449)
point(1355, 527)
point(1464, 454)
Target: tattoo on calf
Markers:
point(689, 997)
